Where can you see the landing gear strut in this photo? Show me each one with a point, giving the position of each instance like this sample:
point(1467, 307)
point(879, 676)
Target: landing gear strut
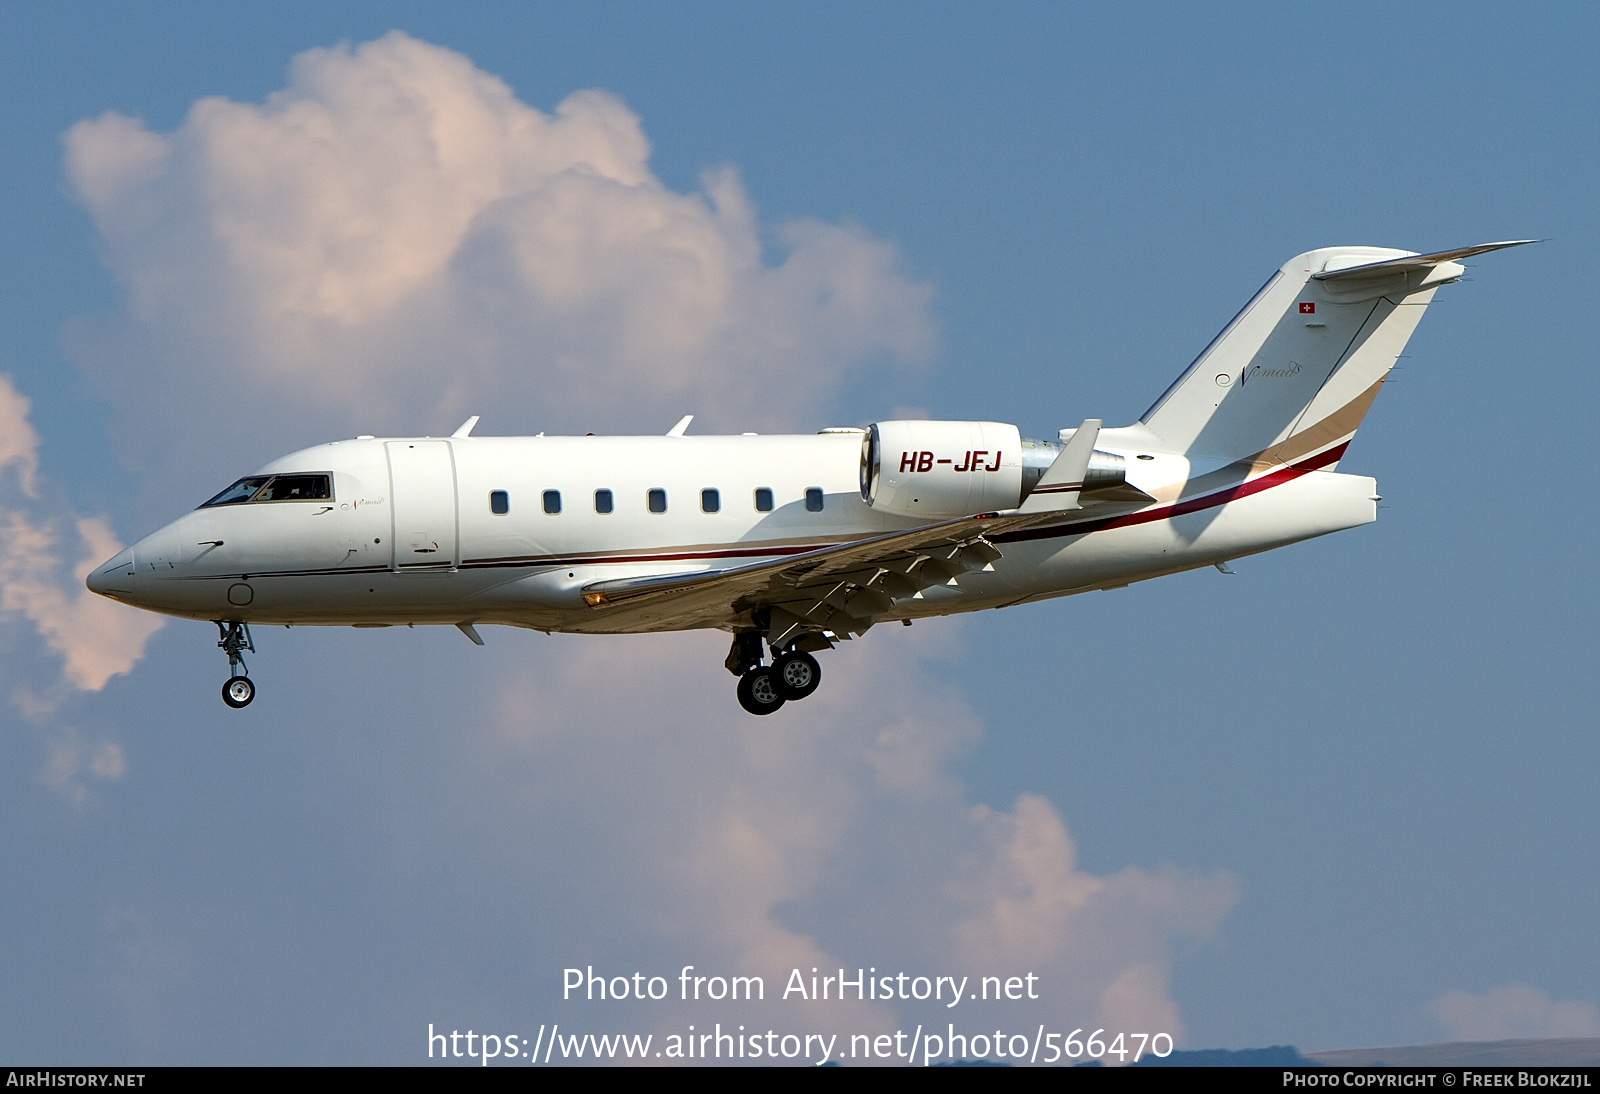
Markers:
point(234, 640)
point(745, 654)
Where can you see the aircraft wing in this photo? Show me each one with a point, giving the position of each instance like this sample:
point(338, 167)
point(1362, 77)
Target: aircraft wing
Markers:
point(840, 589)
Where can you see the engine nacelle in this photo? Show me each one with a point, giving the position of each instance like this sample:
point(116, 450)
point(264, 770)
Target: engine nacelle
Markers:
point(941, 470)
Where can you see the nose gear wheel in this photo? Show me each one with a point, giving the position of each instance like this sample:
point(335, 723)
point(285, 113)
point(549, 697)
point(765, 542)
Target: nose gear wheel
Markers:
point(234, 640)
point(238, 692)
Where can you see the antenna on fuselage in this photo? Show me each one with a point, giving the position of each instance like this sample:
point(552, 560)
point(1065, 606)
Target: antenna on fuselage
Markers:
point(683, 424)
point(466, 427)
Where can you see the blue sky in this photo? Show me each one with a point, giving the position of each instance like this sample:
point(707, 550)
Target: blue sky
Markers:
point(1351, 786)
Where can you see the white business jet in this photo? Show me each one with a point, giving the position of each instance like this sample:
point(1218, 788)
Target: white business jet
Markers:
point(796, 543)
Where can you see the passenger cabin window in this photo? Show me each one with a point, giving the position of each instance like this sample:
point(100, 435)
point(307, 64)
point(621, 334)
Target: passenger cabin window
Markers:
point(602, 501)
point(814, 499)
point(259, 488)
point(763, 500)
point(499, 502)
point(658, 500)
point(710, 501)
point(552, 502)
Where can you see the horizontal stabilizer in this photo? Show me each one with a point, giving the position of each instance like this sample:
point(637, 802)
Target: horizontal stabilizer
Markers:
point(1412, 262)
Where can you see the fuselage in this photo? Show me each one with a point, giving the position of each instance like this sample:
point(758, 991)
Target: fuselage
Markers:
point(796, 543)
point(510, 530)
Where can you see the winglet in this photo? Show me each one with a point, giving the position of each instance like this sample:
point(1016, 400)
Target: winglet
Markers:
point(1062, 482)
point(683, 424)
point(466, 427)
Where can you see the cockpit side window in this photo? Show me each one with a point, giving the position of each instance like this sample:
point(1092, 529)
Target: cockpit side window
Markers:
point(241, 491)
point(297, 488)
point(275, 488)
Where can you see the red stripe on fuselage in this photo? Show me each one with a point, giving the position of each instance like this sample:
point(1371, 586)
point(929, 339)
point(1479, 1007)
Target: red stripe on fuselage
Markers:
point(1193, 505)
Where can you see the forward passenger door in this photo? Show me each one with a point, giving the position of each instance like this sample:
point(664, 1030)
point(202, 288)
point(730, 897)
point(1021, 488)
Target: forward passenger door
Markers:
point(422, 481)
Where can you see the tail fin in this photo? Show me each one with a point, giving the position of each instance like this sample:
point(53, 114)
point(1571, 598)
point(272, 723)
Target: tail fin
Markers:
point(1296, 370)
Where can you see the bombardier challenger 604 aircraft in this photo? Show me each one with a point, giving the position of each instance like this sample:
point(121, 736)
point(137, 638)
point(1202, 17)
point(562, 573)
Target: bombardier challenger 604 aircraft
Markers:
point(793, 544)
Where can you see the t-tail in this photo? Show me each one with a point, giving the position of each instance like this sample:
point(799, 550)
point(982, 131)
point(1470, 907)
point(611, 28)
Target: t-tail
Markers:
point(1289, 380)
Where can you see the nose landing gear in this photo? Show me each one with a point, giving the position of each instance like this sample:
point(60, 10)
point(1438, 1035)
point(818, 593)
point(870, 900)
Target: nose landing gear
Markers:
point(234, 640)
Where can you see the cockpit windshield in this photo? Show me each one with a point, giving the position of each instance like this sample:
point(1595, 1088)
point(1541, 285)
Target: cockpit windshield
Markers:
point(243, 490)
point(258, 488)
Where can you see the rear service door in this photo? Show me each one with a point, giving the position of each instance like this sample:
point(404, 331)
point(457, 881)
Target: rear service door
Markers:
point(422, 481)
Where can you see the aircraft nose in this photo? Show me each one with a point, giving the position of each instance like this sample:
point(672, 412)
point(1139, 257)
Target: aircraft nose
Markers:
point(115, 577)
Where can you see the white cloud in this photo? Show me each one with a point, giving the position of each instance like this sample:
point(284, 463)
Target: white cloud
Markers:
point(1511, 1011)
point(19, 444)
point(394, 240)
point(1105, 940)
point(96, 638)
point(831, 835)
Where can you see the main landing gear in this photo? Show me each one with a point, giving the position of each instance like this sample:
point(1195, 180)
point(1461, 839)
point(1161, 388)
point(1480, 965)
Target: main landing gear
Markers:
point(234, 641)
point(794, 674)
